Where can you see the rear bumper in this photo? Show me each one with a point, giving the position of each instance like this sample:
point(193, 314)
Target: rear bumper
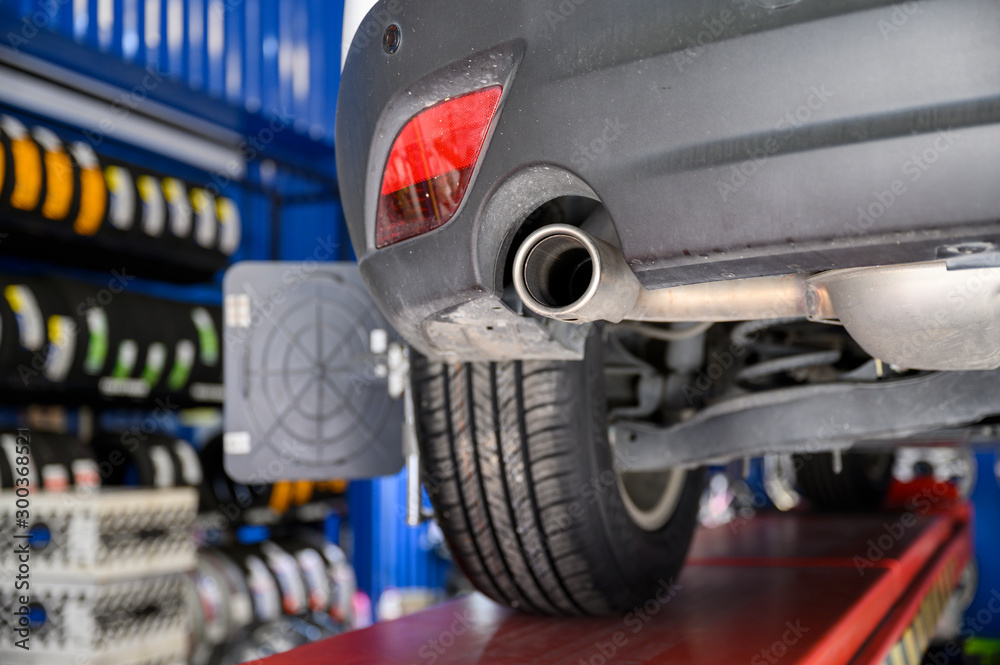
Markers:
point(725, 139)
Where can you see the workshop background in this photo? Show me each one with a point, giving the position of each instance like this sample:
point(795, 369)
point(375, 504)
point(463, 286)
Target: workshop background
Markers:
point(151, 96)
point(147, 145)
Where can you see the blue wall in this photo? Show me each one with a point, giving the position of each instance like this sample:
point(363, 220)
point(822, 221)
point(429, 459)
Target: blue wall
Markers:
point(986, 501)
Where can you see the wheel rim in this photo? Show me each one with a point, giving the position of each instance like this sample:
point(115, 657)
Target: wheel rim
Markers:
point(651, 498)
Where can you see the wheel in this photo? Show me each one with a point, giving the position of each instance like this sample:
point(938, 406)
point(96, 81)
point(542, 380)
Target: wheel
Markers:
point(860, 486)
point(518, 466)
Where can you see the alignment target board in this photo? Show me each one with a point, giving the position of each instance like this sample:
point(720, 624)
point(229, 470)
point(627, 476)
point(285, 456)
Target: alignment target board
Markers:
point(306, 376)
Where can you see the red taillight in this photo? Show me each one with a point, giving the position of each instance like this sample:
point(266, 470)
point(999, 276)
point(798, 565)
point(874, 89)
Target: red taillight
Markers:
point(430, 165)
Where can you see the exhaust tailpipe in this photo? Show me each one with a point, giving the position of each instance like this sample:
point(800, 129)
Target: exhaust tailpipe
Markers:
point(564, 273)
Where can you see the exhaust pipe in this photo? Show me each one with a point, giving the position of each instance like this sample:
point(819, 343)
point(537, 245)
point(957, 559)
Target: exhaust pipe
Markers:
point(917, 315)
point(564, 273)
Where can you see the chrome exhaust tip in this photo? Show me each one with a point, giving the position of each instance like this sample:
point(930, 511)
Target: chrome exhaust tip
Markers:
point(564, 273)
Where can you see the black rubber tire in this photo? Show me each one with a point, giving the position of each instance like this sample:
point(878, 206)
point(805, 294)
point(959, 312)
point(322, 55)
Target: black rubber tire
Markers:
point(134, 454)
point(861, 485)
point(517, 464)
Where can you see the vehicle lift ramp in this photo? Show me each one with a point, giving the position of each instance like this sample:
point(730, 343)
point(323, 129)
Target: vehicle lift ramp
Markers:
point(786, 588)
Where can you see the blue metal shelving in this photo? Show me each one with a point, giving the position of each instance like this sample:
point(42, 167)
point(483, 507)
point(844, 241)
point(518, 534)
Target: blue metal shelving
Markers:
point(263, 57)
point(267, 70)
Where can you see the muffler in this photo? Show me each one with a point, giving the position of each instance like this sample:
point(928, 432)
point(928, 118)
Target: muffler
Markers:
point(917, 316)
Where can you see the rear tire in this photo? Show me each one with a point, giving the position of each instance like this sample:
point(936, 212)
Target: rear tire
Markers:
point(518, 466)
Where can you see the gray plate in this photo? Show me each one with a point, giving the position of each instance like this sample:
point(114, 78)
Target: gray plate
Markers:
point(305, 396)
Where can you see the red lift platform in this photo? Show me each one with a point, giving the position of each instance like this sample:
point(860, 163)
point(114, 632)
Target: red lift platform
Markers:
point(791, 588)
